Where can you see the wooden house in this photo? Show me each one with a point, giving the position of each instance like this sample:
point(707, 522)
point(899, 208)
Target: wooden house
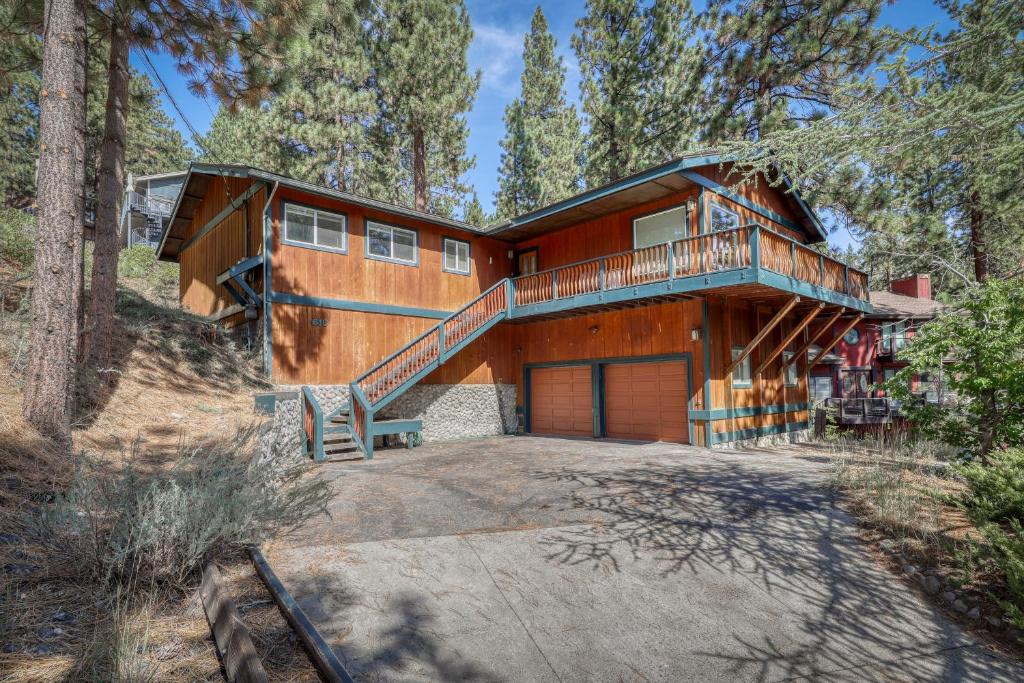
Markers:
point(668, 305)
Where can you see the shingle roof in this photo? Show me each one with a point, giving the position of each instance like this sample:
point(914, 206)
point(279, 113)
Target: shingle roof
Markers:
point(889, 305)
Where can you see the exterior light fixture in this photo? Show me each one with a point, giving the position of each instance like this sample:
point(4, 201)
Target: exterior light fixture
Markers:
point(695, 334)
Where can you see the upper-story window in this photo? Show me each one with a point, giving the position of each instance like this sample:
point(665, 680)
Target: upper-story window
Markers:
point(391, 243)
point(790, 377)
point(308, 227)
point(665, 226)
point(723, 219)
point(742, 375)
point(456, 256)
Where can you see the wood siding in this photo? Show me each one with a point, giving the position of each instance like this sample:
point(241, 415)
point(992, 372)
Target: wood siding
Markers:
point(220, 248)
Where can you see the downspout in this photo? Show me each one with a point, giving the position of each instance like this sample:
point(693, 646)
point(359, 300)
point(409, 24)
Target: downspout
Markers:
point(268, 238)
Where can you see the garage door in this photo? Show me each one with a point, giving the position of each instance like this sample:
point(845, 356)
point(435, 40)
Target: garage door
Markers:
point(561, 401)
point(646, 401)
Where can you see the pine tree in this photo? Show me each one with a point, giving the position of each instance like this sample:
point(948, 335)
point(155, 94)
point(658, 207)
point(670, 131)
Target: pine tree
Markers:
point(242, 136)
point(324, 113)
point(424, 89)
point(641, 70)
point(519, 183)
point(473, 212)
point(57, 277)
point(223, 46)
point(19, 113)
point(777, 62)
point(552, 127)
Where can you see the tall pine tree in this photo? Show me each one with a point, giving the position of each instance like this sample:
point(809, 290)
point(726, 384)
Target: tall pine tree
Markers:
point(641, 70)
point(539, 122)
point(424, 89)
point(777, 63)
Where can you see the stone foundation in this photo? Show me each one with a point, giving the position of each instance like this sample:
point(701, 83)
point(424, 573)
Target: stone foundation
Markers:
point(796, 436)
point(281, 439)
point(448, 411)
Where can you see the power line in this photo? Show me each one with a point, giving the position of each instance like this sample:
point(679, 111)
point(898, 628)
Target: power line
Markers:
point(196, 137)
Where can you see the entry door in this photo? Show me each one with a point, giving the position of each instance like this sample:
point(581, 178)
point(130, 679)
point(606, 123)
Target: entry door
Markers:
point(856, 383)
point(527, 262)
point(646, 401)
point(561, 401)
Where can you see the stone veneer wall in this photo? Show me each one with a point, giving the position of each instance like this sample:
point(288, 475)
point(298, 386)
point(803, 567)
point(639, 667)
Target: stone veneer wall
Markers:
point(448, 411)
point(796, 436)
point(281, 439)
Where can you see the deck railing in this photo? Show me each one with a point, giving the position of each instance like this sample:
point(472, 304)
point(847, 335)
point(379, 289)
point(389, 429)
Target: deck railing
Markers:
point(388, 377)
point(698, 255)
point(152, 204)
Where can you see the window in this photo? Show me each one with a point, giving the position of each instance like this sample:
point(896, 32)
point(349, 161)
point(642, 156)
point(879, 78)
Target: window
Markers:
point(391, 243)
point(790, 377)
point(930, 386)
point(308, 227)
point(821, 388)
point(661, 227)
point(852, 337)
point(456, 256)
point(741, 376)
point(723, 219)
point(894, 337)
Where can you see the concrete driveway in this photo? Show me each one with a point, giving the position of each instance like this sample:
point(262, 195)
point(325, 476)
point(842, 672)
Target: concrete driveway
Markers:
point(543, 559)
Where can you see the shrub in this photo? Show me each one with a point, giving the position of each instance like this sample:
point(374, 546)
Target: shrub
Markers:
point(994, 502)
point(17, 238)
point(131, 528)
point(139, 263)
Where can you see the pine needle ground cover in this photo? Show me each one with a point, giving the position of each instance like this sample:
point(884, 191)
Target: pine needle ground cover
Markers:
point(952, 530)
point(99, 562)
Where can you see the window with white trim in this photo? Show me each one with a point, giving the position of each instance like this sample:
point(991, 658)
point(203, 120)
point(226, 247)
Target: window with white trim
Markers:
point(741, 375)
point(456, 256)
point(723, 219)
point(391, 243)
point(306, 226)
point(665, 226)
point(790, 377)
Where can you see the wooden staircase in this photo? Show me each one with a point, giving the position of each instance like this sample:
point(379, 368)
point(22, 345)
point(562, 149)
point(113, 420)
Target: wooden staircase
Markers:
point(352, 427)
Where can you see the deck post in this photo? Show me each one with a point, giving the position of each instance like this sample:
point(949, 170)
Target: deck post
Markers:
point(600, 275)
point(440, 340)
point(510, 296)
point(846, 278)
point(755, 249)
point(554, 285)
point(671, 261)
point(821, 270)
point(792, 259)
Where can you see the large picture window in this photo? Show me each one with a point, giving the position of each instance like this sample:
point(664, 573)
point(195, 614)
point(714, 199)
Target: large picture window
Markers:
point(391, 243)
point(741, 376)
point(456, 256)
point(723, 219)
point(305, 226)
point(665, 226)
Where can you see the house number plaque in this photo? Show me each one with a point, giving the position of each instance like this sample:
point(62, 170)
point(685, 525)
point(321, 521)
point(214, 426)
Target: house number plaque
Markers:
point(319, 322)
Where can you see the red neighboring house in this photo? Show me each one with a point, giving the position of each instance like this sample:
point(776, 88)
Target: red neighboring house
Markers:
point(868, 353)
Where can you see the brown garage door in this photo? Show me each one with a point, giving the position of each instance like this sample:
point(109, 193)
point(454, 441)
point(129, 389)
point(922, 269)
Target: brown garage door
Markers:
point(561, 401)
point(646, 401)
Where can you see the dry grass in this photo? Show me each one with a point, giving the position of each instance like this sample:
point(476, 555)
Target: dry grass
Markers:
point(178, 380)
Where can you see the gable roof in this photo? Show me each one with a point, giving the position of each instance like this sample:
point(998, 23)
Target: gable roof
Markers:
point(198, 177)
point(644, 186)
point(898, 306)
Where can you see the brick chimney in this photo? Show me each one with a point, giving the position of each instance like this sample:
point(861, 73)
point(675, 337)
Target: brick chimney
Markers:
point(917, 286)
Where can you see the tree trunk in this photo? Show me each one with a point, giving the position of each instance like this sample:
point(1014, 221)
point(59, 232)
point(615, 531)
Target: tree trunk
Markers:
point(979, 253)
point(109, 195)
point(56, 281)
point(419, 170)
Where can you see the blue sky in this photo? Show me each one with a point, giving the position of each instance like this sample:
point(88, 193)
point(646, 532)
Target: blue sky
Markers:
point(496, 50)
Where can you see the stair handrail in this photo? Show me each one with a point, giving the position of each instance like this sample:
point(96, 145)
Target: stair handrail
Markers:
point(313, 425)
point(432, 330)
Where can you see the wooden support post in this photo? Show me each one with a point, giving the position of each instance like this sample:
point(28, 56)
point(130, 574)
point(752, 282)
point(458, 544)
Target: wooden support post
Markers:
point(828, 347)
point(772, 324)
point(790, 337)
point(815, 337)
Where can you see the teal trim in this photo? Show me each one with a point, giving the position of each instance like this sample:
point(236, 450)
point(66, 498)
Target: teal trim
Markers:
point(597, 366)
point(361, 306)
point(702, 224)
point(397, 427)
point(240, 268)
point(704, 181)
point(235, 205)
point(611, 188)
point(268, 285)
point(706, 344)
point(753, 433)
point(749, 411)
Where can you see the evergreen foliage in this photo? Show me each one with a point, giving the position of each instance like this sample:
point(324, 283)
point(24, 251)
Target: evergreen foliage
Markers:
point(543, 145)
point(641, 68)
point(424, 89)
point(776, 63)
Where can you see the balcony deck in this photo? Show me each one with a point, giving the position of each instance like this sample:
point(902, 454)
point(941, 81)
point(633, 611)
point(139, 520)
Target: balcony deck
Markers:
point(750, 261)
